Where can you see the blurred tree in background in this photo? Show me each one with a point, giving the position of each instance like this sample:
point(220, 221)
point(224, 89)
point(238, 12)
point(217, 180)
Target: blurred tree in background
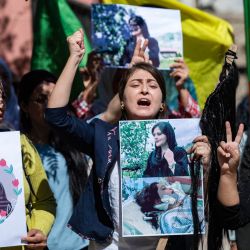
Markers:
point(134, 152)
point(111, 30)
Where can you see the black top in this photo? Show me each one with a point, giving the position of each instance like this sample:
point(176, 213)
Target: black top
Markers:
point(158, 166)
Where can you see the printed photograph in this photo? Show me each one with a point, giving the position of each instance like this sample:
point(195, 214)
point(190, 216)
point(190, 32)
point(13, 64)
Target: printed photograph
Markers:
point(156, 177)
point(157, 148)
point(159, 206)
point(116, 37)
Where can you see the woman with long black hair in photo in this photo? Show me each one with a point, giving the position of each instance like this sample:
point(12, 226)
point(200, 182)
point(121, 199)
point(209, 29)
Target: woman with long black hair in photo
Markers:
point(167, 159)
point(139, 31)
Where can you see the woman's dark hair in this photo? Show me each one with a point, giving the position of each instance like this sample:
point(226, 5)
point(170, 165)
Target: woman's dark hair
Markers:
point(147, 198)
point(143, 66)
point(77, 166)
point(212, 125)
point(168, 131)
point(27, 85)
point(138, 20)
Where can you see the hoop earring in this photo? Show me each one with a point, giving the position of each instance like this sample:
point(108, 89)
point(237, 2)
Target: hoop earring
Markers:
point(162, 108)
point(122, 105)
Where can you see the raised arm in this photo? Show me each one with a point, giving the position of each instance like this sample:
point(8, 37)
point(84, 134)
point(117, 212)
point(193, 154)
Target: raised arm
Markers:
point(228, 154)
point(61, 93)
point(80, 132)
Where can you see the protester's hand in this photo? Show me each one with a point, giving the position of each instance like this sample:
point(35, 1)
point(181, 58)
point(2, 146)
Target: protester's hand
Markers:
point(180, 72)
point(76, 45)
point(139, 53)
point(113, 112)
point(201, 150)
point(228, 152)
point(35, 239)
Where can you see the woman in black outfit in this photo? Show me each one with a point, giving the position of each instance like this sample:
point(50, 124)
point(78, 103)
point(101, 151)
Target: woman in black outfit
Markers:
point(139, 30)
point(167, 159)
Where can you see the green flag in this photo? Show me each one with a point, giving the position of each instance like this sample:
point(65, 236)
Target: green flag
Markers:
point(54, 21)
point(247, 32)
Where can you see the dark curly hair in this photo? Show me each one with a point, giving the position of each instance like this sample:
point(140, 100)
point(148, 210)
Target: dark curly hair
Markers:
point(147, 198)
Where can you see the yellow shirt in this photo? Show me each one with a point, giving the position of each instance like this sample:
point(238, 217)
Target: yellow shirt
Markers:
point(40, 199)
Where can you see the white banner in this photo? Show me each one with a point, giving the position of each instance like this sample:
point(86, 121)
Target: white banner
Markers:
point(12, 204)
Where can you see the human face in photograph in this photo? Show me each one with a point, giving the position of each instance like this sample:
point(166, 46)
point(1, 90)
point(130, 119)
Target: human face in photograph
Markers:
point(164, 190)
point(142, 96)
point(160, 138)
point(135, 29)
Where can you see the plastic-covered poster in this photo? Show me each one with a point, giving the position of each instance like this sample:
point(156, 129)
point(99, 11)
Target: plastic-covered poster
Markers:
point(12, 205)
point(116, 28)
point(156, 181)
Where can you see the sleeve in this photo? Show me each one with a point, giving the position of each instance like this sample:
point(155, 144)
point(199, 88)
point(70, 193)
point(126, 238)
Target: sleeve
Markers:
point(43, 205)
point(239, 215)
point(80, 106)
point(189, 85)
point(230, 216)
point(79, 132)
point(192, 110)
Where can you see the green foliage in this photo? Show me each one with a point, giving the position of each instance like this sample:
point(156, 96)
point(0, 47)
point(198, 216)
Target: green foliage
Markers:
point(111, 30)
point(134, 155)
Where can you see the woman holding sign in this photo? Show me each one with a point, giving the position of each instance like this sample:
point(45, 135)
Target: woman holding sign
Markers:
point(142, 93)
point(39, 200)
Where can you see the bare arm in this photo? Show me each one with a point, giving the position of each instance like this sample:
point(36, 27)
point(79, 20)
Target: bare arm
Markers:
point(61, 93)
point(228, 154)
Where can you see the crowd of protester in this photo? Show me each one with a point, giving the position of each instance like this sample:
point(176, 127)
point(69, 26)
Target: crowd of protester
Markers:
point(77, 206)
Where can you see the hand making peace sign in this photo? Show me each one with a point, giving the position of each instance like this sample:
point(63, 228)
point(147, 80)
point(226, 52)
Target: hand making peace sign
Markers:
point(228, 152)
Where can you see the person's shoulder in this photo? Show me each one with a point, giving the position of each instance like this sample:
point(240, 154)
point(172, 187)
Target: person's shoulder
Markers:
point(25, 141)
point(180, 150)
point(30, 156)
point(101, 128)
point(96, 121)
point(152, 40)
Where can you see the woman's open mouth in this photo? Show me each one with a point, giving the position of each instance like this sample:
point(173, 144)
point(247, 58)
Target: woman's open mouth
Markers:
point(144, 102)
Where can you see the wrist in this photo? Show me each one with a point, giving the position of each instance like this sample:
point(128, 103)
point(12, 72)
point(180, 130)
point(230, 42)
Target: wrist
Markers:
point(75, 59)
point(229, 176)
